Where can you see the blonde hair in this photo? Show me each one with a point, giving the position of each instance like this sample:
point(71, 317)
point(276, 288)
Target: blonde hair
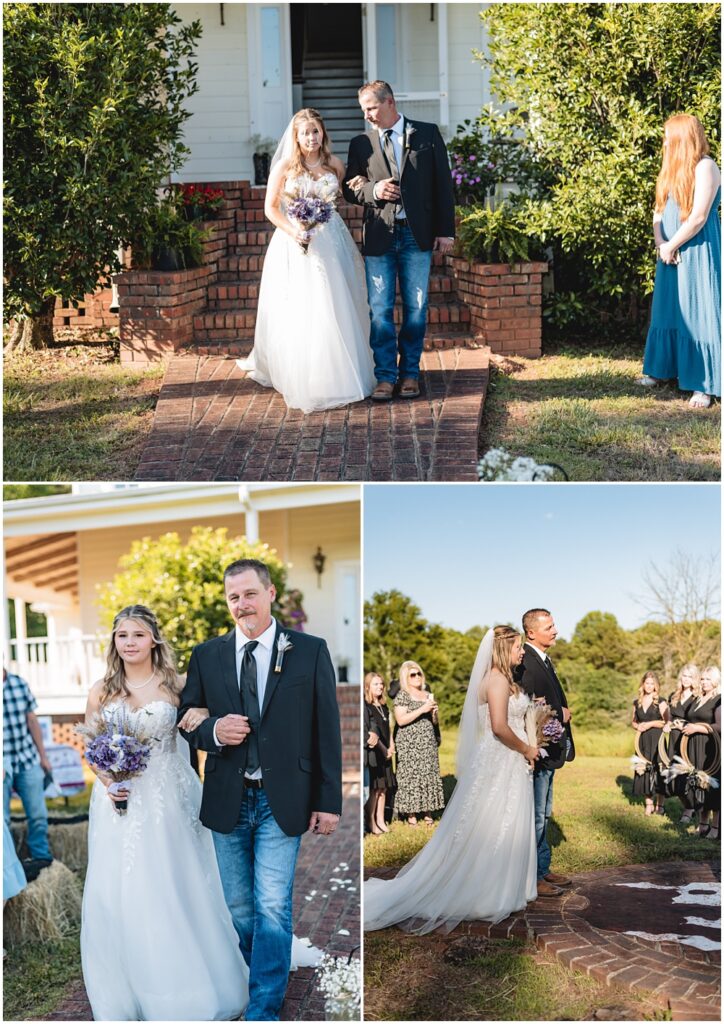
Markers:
point(685, 146)
point(695, 687)
point(644, 677)
point(162, 657)
point(503, 639)
point(296, 162)
point(369, 678)
point(405, 668)
point(717, 683)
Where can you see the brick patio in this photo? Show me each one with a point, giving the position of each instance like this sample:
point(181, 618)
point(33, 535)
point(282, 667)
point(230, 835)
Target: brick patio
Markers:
point(212, 423)
point(676, 976)
point(320, 919)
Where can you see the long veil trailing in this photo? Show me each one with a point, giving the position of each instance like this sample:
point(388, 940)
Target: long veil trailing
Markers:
point(469, 734)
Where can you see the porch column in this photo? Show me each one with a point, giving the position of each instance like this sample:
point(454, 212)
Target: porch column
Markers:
point(251, 515)
point(370, 41)
point(442, 63)
point(21, 635)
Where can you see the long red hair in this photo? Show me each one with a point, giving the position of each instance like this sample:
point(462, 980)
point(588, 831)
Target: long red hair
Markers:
point(683, 149)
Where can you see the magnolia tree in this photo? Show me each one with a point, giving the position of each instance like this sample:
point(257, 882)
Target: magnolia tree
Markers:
point(182, 583)
point(583, 91)
point(94, 98)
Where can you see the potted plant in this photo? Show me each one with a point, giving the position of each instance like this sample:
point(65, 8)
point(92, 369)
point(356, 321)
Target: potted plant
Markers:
point(263, 152)
point(170, 242)
point(200, 202)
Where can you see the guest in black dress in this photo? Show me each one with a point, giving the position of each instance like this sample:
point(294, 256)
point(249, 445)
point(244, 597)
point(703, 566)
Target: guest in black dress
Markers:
point(687, 690)
point(378, 753)
point(650, 713)
point(703, 749)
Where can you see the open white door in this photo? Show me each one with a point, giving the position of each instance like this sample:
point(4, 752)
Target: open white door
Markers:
point(270, 69)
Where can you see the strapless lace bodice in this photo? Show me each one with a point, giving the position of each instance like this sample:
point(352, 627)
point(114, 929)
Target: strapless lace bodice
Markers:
point(156, 722)
point(325, 185)
point(518, 704)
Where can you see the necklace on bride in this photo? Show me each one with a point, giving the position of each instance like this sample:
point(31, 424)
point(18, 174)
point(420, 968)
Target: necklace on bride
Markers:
point(140, 686)
point(313, 167)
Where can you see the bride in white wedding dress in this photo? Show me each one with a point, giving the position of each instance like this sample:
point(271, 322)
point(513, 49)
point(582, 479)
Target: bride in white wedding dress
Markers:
point(480, 863)
point(311, 342)
point(157, 941)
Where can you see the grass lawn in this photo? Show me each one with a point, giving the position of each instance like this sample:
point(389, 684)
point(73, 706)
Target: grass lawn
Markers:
point(580, 407)
point(36, 976)
point(76, 414)
point(596, 823)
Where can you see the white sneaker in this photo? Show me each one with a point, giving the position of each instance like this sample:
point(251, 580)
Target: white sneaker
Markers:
point(699, 400)
point(647, 382)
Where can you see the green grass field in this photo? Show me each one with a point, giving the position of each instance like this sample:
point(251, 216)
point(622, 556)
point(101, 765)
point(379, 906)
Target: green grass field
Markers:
point(596, 823)
point(580, 407)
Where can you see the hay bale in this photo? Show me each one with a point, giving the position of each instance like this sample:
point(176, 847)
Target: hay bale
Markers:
point(49, 908)
point(68, 841)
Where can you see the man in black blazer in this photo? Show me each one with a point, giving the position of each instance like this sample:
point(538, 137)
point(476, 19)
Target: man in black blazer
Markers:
point(400, 173)
point(273, 770)
point(538, 678)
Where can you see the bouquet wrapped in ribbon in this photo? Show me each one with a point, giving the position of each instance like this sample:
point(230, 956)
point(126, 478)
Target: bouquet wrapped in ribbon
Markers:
point(119, 747)
point(542, 726)
point(310, 203)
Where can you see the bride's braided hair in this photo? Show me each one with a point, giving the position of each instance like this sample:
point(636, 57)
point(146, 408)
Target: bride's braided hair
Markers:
point(296, 163)
point(162, 657)
point(503, 639)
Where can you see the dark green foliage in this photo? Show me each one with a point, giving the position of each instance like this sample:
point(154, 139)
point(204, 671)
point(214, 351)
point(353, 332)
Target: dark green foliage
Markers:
point(94, 100)
point(584, 91)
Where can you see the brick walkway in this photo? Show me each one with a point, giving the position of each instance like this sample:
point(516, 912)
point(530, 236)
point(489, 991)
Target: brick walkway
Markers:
point(212, 423)
point(320, 919)
point(676, 976)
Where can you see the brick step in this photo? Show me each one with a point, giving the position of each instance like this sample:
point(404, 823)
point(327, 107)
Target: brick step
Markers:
point(230, 294)
point(242, 268)
point(445, 317)
point(235, 346)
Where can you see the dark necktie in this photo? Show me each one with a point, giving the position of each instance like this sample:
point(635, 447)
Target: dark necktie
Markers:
point(389, 150)
point(250, 703)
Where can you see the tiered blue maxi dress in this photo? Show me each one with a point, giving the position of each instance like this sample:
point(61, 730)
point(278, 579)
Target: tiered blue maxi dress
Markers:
point(684, 339)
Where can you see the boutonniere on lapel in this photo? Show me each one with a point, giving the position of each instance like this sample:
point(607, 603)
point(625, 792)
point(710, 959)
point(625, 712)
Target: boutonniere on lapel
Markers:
point(284, 644)
point(408, 135)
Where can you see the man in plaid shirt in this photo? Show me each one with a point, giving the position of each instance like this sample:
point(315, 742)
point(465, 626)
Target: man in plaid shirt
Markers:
point(25, 762)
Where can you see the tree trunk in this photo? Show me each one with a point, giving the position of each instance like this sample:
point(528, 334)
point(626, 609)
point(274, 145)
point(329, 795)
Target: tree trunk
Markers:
point(33, 332)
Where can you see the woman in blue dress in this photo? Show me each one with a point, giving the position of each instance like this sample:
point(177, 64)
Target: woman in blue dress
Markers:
point(684, 339)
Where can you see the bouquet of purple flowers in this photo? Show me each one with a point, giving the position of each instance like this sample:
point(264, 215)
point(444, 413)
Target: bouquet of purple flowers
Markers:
point(311, 203)
point(542, 726)
point(117, 746)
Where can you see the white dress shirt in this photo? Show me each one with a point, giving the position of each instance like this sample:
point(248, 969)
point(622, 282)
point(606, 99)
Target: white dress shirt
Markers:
point(398, 139)
point(541, 654)
point(262, 655)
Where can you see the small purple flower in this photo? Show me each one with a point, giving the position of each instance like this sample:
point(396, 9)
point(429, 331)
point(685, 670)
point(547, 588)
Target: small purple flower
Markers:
point(471, 158)
point(477, 181)
point(553, 730)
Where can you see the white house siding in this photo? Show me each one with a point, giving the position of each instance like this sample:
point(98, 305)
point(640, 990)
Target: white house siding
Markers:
point(294, 534)
point(217, 132)
point(468, 80)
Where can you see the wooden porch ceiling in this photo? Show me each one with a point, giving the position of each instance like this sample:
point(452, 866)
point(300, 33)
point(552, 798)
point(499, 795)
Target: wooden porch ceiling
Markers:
point(49, 560)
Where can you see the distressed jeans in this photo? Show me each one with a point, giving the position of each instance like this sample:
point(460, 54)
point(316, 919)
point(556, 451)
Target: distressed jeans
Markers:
point(28, 784)
point(412, 266)
point(256, 863)
point(543, 799)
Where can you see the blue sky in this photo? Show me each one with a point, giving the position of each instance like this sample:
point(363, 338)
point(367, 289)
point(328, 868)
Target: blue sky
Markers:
point(479, 554)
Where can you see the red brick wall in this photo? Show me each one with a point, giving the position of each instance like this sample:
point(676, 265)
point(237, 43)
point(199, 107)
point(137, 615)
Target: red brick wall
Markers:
point(505, 303)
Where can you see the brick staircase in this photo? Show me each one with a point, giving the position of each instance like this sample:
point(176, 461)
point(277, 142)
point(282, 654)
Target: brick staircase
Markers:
point(226, 325)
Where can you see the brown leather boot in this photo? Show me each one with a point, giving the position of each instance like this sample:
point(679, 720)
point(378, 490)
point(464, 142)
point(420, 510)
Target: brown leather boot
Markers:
point(555, 879)
point(546, 889)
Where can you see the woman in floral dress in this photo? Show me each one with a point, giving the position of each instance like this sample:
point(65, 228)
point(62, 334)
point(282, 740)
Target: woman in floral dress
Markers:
point(419, 786)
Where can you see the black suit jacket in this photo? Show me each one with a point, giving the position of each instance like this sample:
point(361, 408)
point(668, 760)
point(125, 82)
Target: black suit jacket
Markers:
point(540, 681)
point(300, 746)
point(425, 185)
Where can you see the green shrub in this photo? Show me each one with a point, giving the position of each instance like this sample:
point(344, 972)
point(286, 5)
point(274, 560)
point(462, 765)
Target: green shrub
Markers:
point(487, 235)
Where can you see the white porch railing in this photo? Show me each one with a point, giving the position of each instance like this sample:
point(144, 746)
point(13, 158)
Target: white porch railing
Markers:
point(56, 667)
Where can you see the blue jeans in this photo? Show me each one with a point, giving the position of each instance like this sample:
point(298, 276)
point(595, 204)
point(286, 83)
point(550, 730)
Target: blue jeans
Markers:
point(543, 798)
point(256, 862)
point(28, 784)
point(405, 260)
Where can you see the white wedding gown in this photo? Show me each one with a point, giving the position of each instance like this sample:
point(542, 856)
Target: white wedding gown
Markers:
point(480, 863)
point(311, 342)
point(157, 942)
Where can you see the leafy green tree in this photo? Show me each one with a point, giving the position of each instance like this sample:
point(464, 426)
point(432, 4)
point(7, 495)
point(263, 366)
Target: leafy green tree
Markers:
point(182, 583)
point(94, 99)
point(13, 492)
point(584, 90)
point(599, 640)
